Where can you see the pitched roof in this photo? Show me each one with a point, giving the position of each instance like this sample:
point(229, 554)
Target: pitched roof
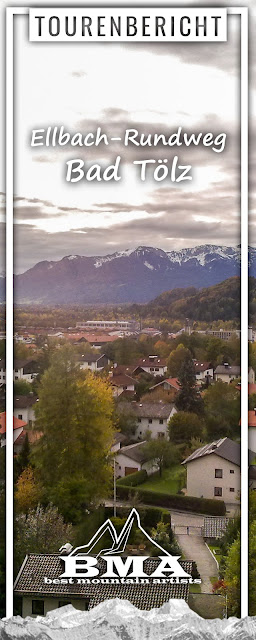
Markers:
point(122, 380)
point(90, 357)
point(151, 361)
point(135, 451)
point(23, 402)
point(224, 448)
point(173, 382)
point(17, 423)
point(152, 409)
point(21, 363)
point(201, 366)
point(30, 582)
point(232, 370)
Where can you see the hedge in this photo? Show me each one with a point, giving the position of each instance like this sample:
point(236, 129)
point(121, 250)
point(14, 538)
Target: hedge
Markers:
point(175, 501)
point(133, 479)
point(149, 516)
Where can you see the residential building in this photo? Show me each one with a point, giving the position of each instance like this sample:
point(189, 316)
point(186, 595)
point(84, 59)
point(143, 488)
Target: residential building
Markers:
point(169, 384)
point(24, 408)
point(18, 428)
point(25, 370)
point(121, 383)
point(227, 373)
point(203, 372)
point(151, 417)
point(39, 597)
point(92, 361)
point(133, 458)
point(213, 471)
point(152, 364)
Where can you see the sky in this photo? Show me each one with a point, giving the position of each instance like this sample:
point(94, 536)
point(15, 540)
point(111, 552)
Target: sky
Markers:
point(150, 87)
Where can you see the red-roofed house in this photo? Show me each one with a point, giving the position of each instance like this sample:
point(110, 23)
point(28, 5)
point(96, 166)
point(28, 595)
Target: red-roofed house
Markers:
point(18, 427)
point(168, 384)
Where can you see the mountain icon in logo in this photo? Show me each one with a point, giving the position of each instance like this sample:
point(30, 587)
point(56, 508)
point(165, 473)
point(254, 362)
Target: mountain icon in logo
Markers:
point(119, 541)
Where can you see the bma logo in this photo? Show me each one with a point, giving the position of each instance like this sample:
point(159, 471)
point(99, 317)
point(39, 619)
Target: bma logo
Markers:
point(80, 564)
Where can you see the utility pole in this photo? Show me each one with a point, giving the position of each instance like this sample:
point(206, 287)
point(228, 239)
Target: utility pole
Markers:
point(114, 461)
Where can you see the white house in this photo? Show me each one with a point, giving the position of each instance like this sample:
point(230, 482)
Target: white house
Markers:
point(227, 373)
point(121, 383)
point(151, 417)
point(152, 364)
point(24, 408)
point(133, 458)
point(25, 370)
point(203, 371)
point(213, 471)
point(92, 361)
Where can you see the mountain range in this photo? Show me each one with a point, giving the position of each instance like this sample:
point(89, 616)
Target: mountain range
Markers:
point(120, 620)
point(127, 276)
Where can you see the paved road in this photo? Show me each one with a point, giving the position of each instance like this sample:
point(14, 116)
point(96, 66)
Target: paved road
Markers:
point(195, 549)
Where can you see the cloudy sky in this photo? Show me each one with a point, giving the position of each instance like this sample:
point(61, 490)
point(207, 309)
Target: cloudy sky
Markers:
point(152, 88)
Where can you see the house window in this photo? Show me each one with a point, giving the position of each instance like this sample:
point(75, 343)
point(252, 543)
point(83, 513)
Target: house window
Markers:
point(20, 416)
point(38, 607)
point(232, 489)
point(124, 388)
point(156, 368)
point(152, 369)
point(62, 603)
point(160, 434)
point(232, 471)
point(139, 419)
point(150, 421)
point(218, 473)
point(16, 377)
point(161, 421)
point(217, 491)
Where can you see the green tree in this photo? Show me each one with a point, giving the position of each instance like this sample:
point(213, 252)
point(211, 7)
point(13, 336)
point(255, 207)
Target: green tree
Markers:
point(125, 419)
point(42, 530)
point(222, 410)
point(23, 459)
point(74, 415)
point(184, 425)
point(161, 452)
point(232, 577)
point(176, 360)
point(188, 399)
point(22, 388)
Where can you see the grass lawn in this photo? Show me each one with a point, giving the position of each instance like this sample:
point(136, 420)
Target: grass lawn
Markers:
point(216, 551)
point(194, 588)
point(170, 482)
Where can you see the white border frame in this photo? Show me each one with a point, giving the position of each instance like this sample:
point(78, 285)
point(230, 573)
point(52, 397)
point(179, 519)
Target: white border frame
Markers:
point(10, 13)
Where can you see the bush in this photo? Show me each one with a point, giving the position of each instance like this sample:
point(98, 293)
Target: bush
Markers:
point(153, 515)
point(181, 502)
point(133, 479)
